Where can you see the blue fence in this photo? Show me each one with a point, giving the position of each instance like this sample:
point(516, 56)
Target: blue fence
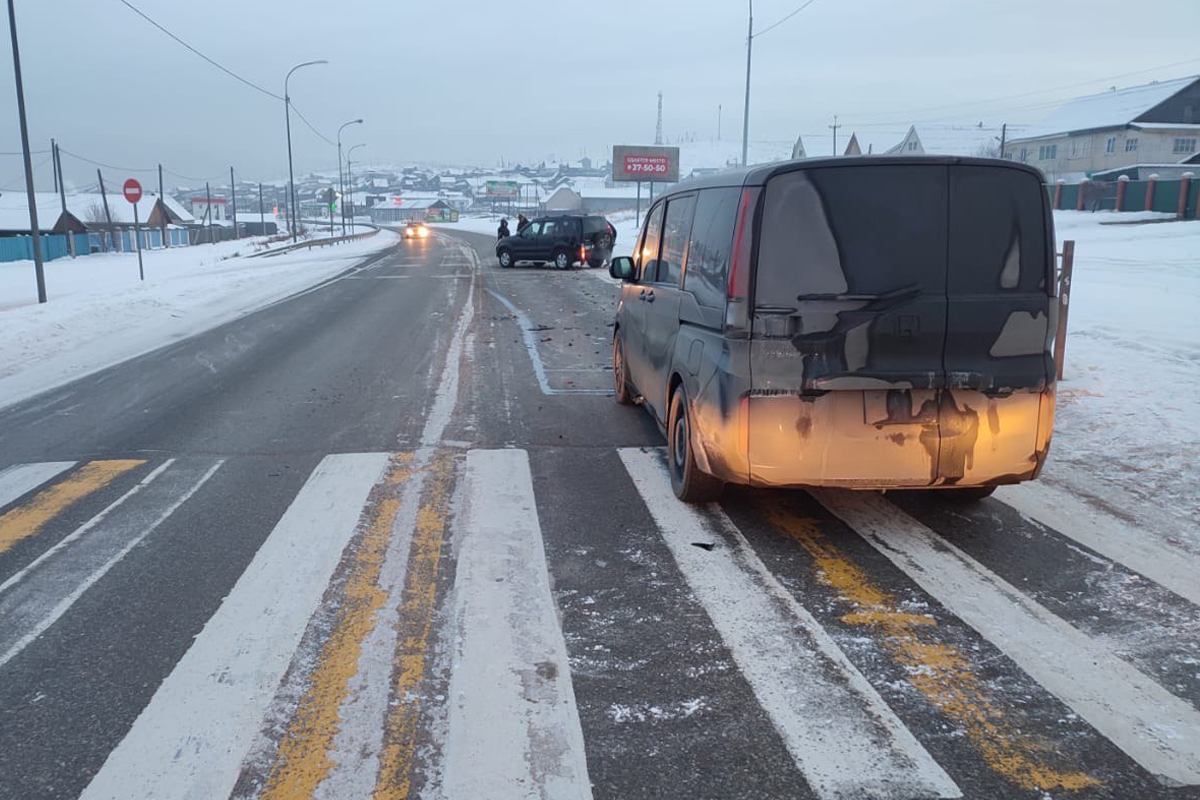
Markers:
point(20, 248)
point(55, 245)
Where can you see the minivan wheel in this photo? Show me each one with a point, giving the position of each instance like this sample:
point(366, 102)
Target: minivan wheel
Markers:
point(689, 483)
point(562, 260)
point(506, 259)
point(621, 373)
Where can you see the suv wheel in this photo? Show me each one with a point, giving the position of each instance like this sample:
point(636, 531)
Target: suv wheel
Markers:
point(689, 483)
point(506, 259)
point(562, 260)
point(621, 373)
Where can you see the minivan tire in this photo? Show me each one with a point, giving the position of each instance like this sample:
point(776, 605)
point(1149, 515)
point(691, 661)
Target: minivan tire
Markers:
point(561, 259)
point(621, 373)
point(506, 259)
point(688, 482)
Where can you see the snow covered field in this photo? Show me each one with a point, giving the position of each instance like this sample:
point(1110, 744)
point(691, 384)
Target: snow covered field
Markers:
point(100, 313)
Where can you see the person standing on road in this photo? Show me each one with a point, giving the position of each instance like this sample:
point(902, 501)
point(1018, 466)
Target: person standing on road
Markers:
point(503, 231)
point(522, 222)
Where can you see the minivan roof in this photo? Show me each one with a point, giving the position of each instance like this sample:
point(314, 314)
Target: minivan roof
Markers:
point(759, 174)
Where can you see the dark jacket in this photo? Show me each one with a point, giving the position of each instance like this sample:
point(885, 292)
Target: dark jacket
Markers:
point(503, 231)
point(522, 224)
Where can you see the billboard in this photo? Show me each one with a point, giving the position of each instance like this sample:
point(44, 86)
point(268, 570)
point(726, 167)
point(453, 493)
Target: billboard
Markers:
point(645, 163)
point(503, 189)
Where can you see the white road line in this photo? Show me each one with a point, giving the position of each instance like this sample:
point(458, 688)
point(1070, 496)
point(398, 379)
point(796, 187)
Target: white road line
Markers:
point(1153, 727)
point(26, 606)
point(87, 526)
point(21, 478)
point(189, 741)
point(1169, 567)
point(447, 392)
point(842, 735)
point(514, 730)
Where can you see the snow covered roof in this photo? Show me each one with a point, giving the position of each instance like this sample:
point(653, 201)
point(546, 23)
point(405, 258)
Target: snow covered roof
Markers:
point(409, 203)
point(1111, 109)
point(14, 210)
point(85, 207)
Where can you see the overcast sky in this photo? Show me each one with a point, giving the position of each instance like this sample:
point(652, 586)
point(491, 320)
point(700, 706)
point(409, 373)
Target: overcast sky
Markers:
point(467, 81)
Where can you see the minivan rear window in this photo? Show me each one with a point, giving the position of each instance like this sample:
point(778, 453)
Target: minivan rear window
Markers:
point(999, 238)
point(676, 230)
point(712, 239)
point(868, 230)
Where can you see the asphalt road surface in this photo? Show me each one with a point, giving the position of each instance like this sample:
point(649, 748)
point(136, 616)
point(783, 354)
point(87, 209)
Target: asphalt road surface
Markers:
point(392, 537)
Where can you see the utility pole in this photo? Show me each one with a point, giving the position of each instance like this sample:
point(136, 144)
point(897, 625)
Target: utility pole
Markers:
point(1003, 133)
point(746, 113)
point(350, 179)
point(233, 197)
point(208, 210)
point(38, 270)
point(162, 208)
point(107, 216)
point(54, 163)
point(62, 196)
point(262, 220)
point(287, 110)
point(658, 136)
point(718, 122)
point(834, 128)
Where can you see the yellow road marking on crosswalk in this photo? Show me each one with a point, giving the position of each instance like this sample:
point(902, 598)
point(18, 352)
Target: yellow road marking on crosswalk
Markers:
point(942, 673)
point(415, 620)
point(26, 520)
point(303, 759)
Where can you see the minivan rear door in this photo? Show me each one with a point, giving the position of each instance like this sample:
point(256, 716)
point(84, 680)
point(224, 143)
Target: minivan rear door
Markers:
point(850, 284)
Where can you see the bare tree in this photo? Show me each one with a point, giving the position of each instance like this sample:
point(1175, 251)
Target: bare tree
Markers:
point(95, 213)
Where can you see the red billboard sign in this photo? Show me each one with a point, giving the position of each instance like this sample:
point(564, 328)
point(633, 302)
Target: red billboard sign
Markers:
point(651, 163)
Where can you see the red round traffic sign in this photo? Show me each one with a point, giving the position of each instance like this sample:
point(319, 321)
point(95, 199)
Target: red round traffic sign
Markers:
point(132, 190)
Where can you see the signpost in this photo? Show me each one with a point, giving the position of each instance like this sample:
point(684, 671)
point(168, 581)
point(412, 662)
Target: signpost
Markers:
point(133, 193)
point(634, 163)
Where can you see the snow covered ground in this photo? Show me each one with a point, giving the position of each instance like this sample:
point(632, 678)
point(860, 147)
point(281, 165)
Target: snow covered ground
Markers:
point(100, 313)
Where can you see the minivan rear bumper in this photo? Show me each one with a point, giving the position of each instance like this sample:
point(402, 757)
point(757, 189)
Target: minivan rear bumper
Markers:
point(886, 439)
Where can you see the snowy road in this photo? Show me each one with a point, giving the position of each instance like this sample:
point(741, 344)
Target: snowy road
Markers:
point(392, 538)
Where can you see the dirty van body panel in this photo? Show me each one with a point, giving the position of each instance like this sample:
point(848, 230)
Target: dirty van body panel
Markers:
point(902, 326)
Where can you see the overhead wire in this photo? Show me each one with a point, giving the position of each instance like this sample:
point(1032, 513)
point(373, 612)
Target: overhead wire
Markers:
point(785, 19)
point(21, 177)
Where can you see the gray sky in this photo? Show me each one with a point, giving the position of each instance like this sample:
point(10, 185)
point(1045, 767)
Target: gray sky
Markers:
point(472, 82)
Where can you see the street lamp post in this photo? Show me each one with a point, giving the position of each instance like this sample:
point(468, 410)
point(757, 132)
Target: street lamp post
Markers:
point(33, 220)
point(341, 186)
point(746, 113)
point(350, 175)
point(287, 111)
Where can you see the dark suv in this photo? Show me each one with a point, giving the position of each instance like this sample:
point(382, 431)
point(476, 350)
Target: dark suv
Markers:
point(869, 323)
point(561, 240)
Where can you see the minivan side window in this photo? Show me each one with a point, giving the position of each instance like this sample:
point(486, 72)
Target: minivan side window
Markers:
point(711, 242)
point(647, 254)
point(676, 230)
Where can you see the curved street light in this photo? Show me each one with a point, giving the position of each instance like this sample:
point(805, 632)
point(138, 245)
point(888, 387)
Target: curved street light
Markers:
point(350, 175)
point(341, 186)
point(287, 110)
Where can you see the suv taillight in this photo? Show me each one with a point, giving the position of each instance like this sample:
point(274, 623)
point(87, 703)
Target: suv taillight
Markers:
point(737, 313)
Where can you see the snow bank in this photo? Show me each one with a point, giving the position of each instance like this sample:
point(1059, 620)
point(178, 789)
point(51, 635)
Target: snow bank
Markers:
point(100, 313)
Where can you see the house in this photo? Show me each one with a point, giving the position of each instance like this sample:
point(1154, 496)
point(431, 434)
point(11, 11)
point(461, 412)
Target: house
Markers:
point(406, 209)
point(564, 199)
point(952, 140)
point(201, 204)
point(1154, 123)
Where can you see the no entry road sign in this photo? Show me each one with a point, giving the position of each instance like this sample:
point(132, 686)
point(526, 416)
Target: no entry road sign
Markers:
point(132, 190)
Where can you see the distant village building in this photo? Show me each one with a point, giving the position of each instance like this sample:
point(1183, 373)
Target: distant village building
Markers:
point(201, 204)
point(1153, 123)
point(398, 209)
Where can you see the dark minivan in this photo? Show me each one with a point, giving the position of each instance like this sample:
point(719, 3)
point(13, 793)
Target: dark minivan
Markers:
point(561, 240)
point(870, 323)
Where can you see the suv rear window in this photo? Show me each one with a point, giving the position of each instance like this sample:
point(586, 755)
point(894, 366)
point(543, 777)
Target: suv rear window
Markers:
point(594, 225)
point(852, 230)
point(712, 240)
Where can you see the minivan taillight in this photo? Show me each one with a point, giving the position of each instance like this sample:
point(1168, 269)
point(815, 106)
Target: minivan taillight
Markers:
point(737, 314)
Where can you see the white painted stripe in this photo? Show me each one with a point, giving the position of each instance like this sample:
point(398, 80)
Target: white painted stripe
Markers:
point(189, 741)
point(842, 735)
point(1170, 567)
point(16, 480)
point(31, 615)
point(87, 526)
point(513, 728)
point(447, 392)
point(1153, 727)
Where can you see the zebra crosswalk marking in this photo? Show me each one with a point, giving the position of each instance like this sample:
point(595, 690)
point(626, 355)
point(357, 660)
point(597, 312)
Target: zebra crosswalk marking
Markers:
point(19, 479)
point(1159, 731)
point(839, 731)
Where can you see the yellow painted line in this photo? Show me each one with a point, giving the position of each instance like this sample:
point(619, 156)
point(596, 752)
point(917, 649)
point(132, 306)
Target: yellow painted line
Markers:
point(417, 608)
point(26, 520)
point(942, 673)
point(303, 759)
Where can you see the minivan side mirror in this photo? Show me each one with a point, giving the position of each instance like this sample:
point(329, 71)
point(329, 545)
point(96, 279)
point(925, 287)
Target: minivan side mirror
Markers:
point(621, 268)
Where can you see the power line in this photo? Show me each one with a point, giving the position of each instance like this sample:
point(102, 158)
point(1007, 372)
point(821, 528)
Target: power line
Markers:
point(6, 187)
point(19, 153)
point(221, 67)
point(62, 149)
point(311, 127)
point(785, 19)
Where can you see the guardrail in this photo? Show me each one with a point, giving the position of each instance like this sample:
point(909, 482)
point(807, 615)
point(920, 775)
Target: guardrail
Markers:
point(311, 243)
